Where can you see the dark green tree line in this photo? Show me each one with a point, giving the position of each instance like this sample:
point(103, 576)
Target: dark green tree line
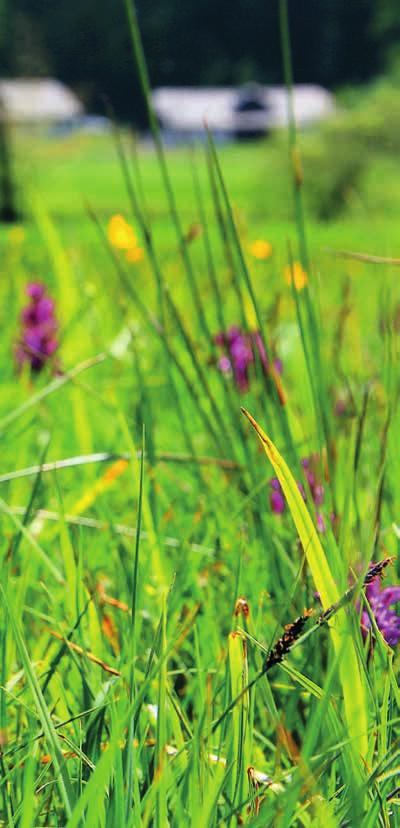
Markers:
point(86, 43)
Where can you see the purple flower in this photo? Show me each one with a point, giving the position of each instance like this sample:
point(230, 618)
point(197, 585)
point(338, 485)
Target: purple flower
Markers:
point(237, 357)
point(380, 601)
point(240, 351)
point(276, 498)
point(37, 342)
point(35, 290)
point(241, 357)
point(224, 365)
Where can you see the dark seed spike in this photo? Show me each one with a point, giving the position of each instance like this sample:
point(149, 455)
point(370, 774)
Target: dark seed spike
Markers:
point(374, 571)
point(283, 645)
point(294, 630)
point(377, 569)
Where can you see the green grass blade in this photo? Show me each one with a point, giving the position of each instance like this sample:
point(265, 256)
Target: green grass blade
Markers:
point(131, 776)
point(37, 549)
point(62, 776)
point(354, 693)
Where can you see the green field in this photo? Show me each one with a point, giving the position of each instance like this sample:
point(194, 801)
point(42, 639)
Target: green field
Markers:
point(71, 171)
point(126, 660)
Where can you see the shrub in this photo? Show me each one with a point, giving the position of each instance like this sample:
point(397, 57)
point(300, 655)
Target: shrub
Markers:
point(335, 156)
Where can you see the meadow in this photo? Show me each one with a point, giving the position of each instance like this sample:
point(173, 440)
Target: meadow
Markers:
point(191, 633)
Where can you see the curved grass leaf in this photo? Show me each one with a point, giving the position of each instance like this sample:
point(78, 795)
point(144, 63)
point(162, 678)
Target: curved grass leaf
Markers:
point(354, 694)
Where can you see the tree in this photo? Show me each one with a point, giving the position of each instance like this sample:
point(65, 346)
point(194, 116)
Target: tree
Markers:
point(86, 44)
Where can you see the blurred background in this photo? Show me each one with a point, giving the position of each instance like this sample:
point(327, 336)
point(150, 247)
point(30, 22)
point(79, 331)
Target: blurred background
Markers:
point(86, 45)
point(66, 67)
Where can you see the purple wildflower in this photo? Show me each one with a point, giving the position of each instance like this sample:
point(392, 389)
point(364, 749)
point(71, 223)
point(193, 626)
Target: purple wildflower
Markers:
point(277, 498)
point(240, 353)
point(241, 357)
point(224, 364)
point(38, 339)
point(380, 601)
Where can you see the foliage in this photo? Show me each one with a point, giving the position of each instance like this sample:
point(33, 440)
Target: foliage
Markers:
point(336, 156)
point(197, 43)
point(208, 534)
point(160, 664)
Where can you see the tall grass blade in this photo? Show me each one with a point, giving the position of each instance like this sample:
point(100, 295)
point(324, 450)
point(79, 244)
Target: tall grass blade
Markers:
point(62, 776)
point(350, 671)
point(131, 773)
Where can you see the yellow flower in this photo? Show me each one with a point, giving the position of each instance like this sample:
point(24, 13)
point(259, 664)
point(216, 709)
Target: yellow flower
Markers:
point(260, 249)
point(101, 485)
point(120, 233)
point(134, 254)
point(16, 235)
point(299, 275)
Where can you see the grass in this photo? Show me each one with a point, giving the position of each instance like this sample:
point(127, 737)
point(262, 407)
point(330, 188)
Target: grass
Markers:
point(142, 590)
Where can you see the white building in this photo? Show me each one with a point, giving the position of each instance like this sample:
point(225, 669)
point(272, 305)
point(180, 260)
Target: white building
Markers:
point(36, 101)
point(251, 109)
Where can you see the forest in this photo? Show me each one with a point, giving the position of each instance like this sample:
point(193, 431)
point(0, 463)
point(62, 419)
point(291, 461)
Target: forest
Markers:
point(334, 43)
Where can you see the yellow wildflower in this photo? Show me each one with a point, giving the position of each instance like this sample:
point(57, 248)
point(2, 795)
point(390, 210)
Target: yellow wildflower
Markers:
point(299, 275)
point(120, 233)
point(260, 249)
point(134, 254)
point(101, 485)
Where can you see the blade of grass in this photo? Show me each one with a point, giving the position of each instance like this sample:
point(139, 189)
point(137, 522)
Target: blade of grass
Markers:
point(53, 386)
point(155, 326)
point(239, 735)
point(62, 776)
point(107, 457)
point(32, 498)
point(354, 694)
point(160, 765)
point(155, 130)
point(132, 791)
point(40, 553)
point(311, 329)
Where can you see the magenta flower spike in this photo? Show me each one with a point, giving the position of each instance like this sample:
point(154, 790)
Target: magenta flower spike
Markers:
point(381, 601)
point(240, 351)
point(276, 497)
point(38, 341)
